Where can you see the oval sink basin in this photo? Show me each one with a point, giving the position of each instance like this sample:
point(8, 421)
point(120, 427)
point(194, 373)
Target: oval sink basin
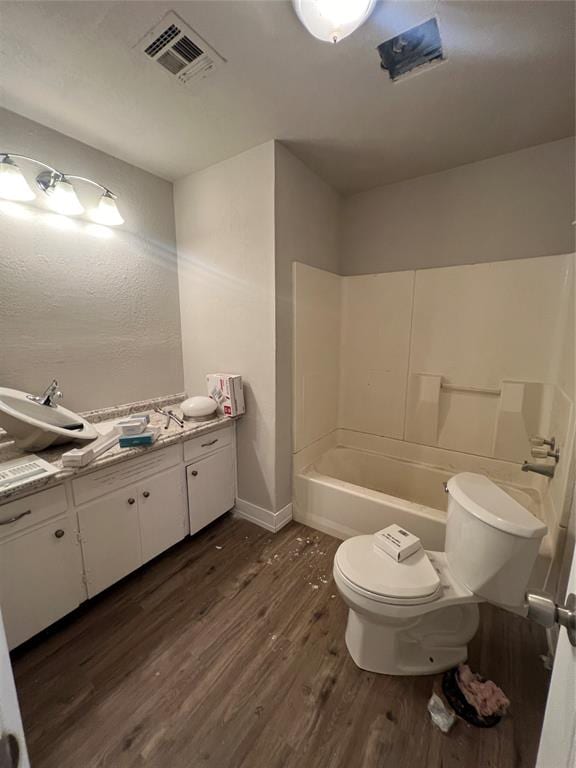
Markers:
point(34, 427)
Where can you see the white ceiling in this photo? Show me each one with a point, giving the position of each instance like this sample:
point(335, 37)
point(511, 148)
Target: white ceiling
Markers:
point(507, 84)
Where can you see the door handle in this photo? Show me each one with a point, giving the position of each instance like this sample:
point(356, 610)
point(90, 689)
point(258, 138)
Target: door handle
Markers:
point(542, 609)
point(15, 519)
point(146, 494)
point(207, 445)
point(194, 472)
point(131, 500)
point(9, 751)
point(59, 533)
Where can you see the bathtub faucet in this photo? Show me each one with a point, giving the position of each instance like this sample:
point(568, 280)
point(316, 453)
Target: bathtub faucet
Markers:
point(540, 469)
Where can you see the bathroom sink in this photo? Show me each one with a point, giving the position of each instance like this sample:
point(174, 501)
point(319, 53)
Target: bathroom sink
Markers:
point(34, 427)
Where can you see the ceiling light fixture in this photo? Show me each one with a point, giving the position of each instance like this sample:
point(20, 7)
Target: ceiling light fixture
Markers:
point(333, 20)
point(58, 188)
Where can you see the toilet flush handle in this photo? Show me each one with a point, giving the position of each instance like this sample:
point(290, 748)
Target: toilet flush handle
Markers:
point(543, 610)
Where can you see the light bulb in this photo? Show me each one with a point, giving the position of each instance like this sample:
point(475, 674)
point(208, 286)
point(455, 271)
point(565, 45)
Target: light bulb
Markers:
point(107, 211)
point(13, 185)
point(332, 20)
point(63, 198)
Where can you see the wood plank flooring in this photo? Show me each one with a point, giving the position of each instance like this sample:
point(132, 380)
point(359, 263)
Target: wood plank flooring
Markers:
point(228, 652)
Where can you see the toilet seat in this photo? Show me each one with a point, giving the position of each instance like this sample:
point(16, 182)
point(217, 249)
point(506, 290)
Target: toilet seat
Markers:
point(372, 573)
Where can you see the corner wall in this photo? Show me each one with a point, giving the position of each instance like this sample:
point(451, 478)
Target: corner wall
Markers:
point(225, 234)
point(240, 226)
point(307, 218)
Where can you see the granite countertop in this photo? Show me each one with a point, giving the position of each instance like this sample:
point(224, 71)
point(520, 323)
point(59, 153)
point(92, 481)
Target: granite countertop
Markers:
point(104, 420)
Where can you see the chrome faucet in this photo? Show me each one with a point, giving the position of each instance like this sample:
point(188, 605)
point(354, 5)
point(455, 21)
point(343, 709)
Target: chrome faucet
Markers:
point(49, 397)
point(170, 416)
point(540, 469)
point(543, 449)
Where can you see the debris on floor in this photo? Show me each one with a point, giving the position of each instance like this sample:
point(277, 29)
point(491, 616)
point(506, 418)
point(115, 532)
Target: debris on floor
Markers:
point(478, 701)
point(442, 714)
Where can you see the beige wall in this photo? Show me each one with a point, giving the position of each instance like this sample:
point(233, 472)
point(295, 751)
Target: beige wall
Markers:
point(307, 216)
point(97, 308)
point(225, 232)
point(513, 206)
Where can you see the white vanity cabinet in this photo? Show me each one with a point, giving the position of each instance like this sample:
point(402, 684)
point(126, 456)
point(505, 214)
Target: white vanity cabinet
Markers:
point(110, 537)
point(210, 487)
point(122, 530)
point(210, 476)
point(40, 565)
point(64, 544)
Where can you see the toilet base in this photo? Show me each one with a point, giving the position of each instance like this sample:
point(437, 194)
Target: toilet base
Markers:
point(423, 645)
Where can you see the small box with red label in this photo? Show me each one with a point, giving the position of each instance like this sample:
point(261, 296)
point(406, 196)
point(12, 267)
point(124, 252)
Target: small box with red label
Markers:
point(226, 389)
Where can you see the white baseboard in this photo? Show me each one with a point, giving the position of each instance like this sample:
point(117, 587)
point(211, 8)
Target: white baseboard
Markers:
point(272, 521)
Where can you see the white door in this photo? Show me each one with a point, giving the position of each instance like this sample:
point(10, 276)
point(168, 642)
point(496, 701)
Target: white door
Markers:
point(558, 740)
point(163, 512)
point(210, 487)
point(13, 752)
point(110, 532)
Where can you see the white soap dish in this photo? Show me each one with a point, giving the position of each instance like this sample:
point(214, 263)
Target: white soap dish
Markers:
point(199, 408)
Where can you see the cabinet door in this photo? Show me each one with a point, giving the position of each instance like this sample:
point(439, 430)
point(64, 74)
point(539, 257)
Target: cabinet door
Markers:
point(40, 578)
point(109, 528)
point(210, 488)
point(163, 512)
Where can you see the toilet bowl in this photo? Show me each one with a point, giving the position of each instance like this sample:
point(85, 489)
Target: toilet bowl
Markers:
point(417, 616)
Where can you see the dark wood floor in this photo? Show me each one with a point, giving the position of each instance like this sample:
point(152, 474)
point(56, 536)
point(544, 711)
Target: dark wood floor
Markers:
point(228, 652)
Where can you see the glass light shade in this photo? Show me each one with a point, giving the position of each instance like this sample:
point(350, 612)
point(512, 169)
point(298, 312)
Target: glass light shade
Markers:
point(63, 198)
point(107, 211)
point(13, 185)
point(333, 20)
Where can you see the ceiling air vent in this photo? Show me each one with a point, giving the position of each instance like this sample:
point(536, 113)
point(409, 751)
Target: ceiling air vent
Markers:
point(176, 47)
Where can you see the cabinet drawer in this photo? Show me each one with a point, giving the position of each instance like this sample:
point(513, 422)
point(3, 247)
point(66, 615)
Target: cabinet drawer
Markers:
point(211, 441)
point(117, 476)
point(23, 513)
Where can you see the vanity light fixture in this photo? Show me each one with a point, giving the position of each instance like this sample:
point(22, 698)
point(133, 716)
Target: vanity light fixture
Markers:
point(13, 185)
point(107, 211)
point(63, 197)
point(58, 188)
point(333, 20)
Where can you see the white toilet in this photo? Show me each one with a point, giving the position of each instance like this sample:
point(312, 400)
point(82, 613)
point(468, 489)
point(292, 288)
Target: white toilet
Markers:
point(417, 616)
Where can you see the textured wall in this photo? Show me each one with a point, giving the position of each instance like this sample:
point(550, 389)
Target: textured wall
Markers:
point(225, 229)
point(97, 308)
point(509, 207)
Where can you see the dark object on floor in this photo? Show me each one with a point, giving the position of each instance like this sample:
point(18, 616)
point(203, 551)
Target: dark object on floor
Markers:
point(413, 48)
point(458, 702)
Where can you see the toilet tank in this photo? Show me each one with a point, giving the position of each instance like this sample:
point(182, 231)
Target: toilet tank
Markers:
point(492, 541)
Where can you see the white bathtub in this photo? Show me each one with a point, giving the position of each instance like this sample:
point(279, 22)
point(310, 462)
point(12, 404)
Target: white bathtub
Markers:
point(347, 492)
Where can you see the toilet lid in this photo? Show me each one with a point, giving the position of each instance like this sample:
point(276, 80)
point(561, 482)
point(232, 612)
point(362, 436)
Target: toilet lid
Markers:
point(372, 570)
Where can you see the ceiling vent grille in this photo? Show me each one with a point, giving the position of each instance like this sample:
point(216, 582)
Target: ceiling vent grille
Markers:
point(179, 50)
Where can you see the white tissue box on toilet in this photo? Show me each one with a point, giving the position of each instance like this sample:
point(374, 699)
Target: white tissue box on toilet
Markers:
point(397, 542)
point(226, 389)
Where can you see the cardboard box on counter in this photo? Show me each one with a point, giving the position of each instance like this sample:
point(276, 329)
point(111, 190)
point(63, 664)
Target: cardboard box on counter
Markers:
point(227, 390)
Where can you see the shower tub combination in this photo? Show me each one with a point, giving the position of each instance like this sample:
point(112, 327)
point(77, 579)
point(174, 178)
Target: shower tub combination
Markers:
point(348, 491)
